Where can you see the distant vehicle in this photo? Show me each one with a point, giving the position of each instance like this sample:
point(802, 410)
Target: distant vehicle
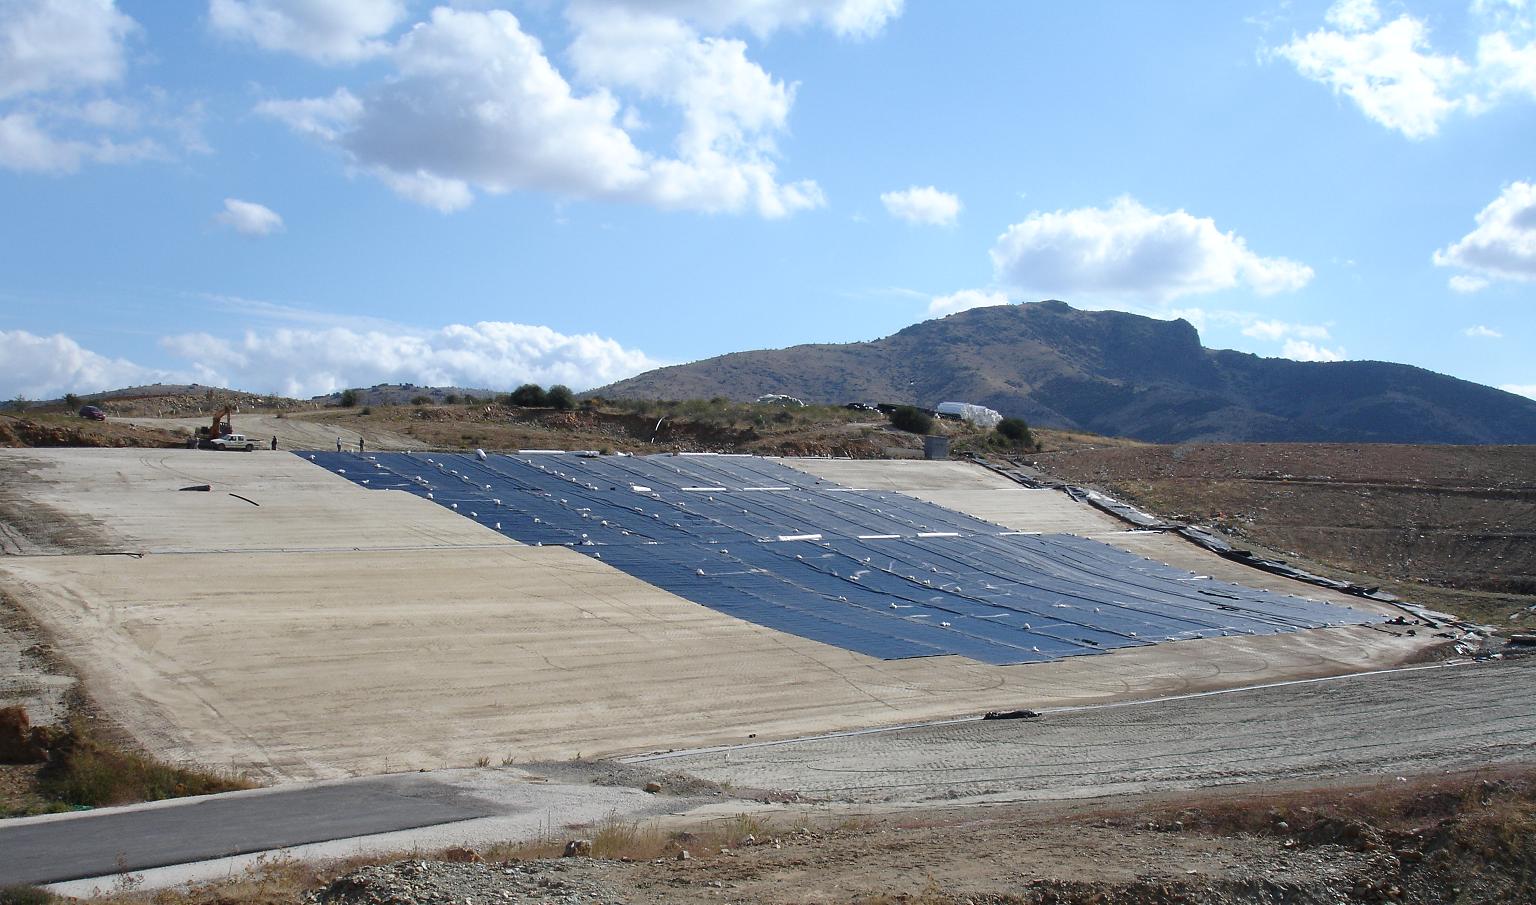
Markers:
point(93, 413)
point(233, 441)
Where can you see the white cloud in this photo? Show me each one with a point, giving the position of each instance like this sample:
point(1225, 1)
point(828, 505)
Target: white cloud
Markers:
point(1482, 332)
point(1353, 15)
point(731, 107)
point(922, 204)
point(1390, 73)
point(1275, 331)
point(46, 367)
point(1397, 79)
point(249, 218)
point(1128, 251)
point(941, 305)
point(306, 362)
point(330, 31)
point(58, 61)
point(27, 147)
point(1302, 350)
point(847, 18)
point(323, 117)
point(477, 105)
point(1466, 285)
point(1503, 246)
point(60, 45)
point(1520, 389)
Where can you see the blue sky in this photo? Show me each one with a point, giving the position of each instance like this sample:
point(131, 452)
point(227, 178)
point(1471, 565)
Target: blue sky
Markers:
point(301, 195)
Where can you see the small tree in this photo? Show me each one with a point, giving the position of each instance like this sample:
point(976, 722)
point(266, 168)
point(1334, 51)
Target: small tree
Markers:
point(911, 419)
point(1015, 431)
point(451, 399)
point(421, 400)
point(530, 395)
point(561, 397)
point(349, 399)
point(71, 401)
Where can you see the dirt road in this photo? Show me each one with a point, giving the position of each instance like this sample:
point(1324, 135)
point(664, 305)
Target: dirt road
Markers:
point(291, 431)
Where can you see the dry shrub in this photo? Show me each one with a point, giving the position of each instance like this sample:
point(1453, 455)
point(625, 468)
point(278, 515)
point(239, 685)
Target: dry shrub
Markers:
point(84, 769)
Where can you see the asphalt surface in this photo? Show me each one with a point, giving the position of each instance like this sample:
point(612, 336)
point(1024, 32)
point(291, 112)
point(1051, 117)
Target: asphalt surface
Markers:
point(93, 844)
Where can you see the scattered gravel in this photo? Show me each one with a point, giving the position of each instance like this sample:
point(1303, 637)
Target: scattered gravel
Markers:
point(562, 882)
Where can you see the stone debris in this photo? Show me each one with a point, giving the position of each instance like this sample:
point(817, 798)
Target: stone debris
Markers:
point(544, 882)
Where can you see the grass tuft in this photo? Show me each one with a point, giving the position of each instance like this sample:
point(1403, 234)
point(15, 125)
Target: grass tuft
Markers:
point(25, 894)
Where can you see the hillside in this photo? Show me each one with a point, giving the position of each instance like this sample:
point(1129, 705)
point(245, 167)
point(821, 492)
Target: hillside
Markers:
point(1112, 373)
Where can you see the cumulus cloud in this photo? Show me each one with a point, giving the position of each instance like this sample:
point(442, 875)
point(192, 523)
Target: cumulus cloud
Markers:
point(46, 367)
point(60, 45)
point(1126, 251)
point(941, 305)
point(477, 105)
point(330, 31)
point(1520, 389)
point(847, 18)
point(1481, 332)
point(922, 204)
point(1393, 74)
point(1503, 246)
point(249, 218)
point(310, 361)
point(58, 60)
point(1302, 350)
point(731, 107)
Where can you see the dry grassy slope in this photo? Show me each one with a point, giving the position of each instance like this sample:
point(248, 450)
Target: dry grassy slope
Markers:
point(1457, 517)
point(1111, 373)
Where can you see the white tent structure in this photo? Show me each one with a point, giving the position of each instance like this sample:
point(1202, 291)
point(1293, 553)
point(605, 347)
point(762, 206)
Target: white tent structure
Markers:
point(979, 415)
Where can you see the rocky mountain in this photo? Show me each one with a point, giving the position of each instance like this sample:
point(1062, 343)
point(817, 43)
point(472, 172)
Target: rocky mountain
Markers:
point(1112, 373)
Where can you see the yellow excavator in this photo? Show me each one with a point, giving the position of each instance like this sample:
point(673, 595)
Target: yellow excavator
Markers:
point(221, 425)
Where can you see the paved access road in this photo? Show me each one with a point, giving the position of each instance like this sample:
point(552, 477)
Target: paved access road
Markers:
point(1391, 723)
point(92, 844)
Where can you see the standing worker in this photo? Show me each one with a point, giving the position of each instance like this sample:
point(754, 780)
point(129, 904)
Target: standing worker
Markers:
point(359, 443)
point(274, 443)
point(338, 444)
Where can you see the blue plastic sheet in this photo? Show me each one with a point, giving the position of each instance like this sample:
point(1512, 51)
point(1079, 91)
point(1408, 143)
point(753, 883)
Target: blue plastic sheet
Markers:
point(875, 572)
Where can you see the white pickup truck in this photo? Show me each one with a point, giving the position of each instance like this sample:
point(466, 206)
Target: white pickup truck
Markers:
point(233, 441)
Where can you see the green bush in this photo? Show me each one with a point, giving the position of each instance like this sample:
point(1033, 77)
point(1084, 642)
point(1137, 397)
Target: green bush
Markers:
point(421, 400)
point(561, 397)
point(349, 398)
point(530, 395)
point(1015, 431)
point(912, 420)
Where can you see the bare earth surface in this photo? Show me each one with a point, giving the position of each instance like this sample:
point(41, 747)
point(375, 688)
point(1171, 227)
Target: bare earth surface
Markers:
point(1454, 526)
point(317, 629)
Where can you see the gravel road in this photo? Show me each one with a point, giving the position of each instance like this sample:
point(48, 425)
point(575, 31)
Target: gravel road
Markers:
point(1399, 722)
